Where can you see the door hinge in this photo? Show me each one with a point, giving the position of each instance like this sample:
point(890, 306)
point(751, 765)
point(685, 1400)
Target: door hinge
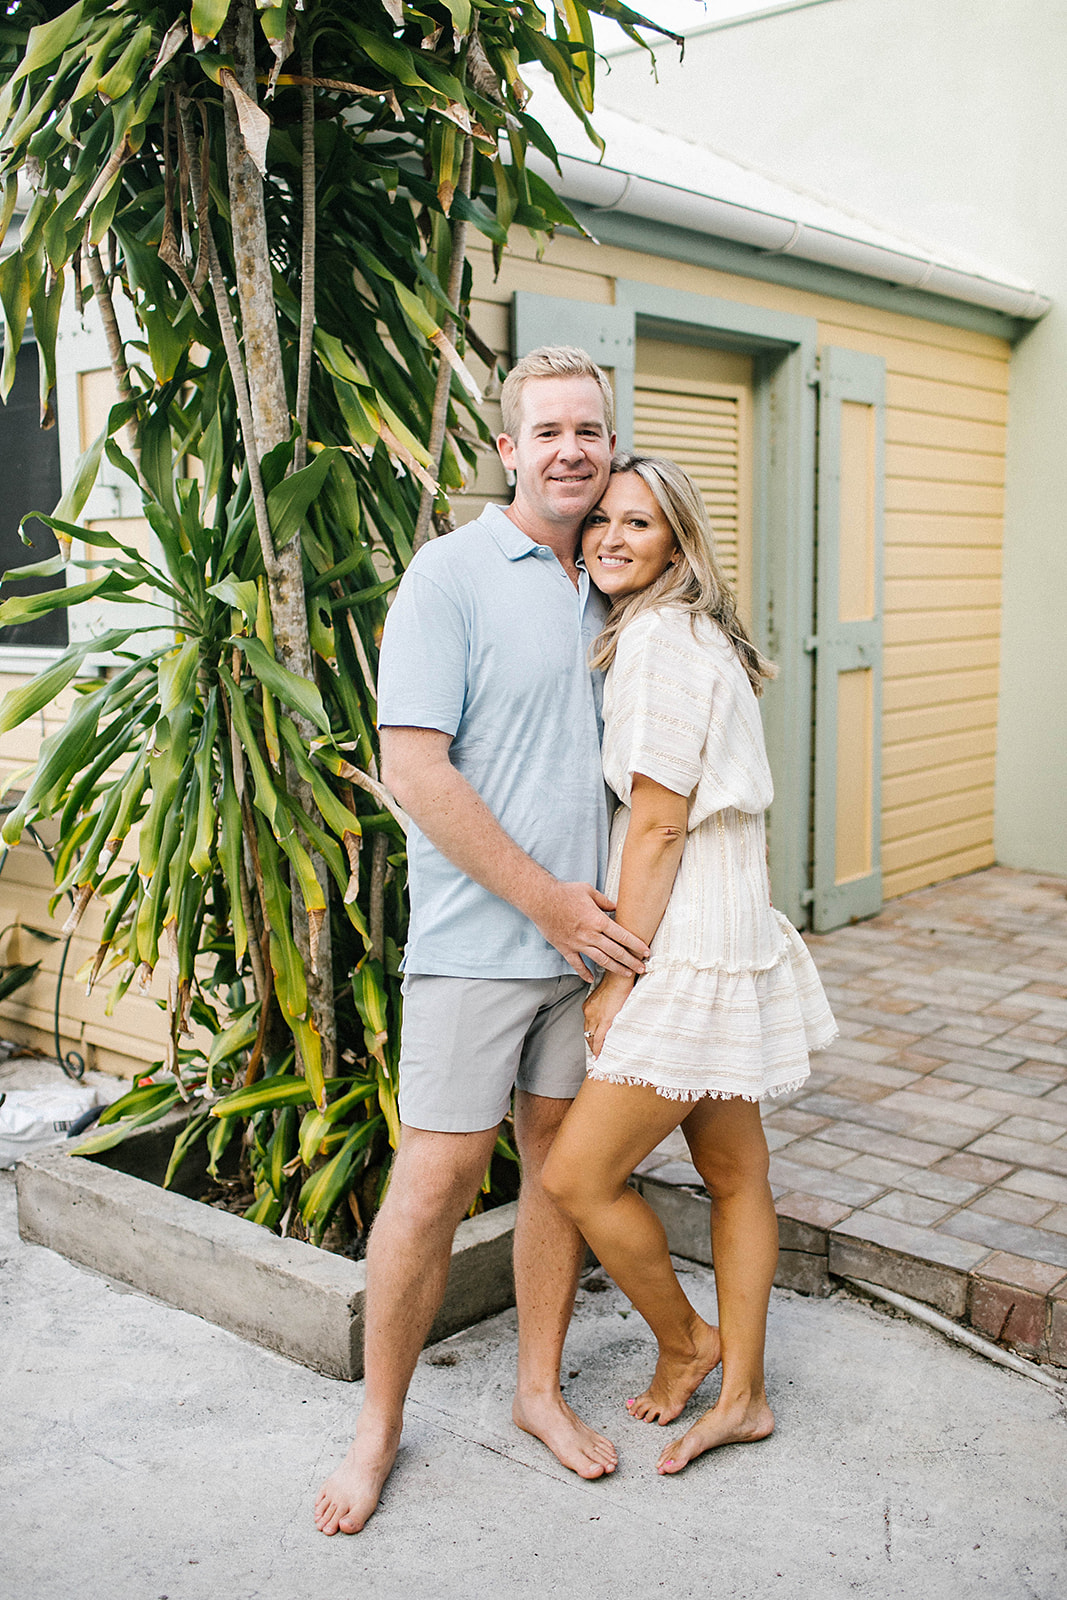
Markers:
point(811, 644)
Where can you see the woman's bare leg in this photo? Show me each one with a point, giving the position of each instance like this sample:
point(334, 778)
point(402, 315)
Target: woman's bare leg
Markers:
point(729, 1150)
point(608, 1130)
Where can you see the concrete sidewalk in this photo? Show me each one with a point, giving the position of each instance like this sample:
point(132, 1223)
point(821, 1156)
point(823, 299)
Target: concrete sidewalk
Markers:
point(151, 1456)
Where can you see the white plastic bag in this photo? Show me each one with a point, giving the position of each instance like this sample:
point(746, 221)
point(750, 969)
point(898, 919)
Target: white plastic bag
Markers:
point(32, 1117)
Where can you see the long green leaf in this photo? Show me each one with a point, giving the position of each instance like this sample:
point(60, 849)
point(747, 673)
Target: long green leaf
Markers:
point(24, 607)
point(297, 692)
point(288, 503)
point(264, 1096)
point(16, 281)
point(48, 40)
point(207, 17)
point(120, 1131)
point(18, 704)
point(86, 467)
point(190, 1135)
point(240, 1035)
point(242, 596)
point(326, 1187)
point(14, 977)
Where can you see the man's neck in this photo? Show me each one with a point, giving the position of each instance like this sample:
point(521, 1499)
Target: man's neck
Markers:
point(561, 538)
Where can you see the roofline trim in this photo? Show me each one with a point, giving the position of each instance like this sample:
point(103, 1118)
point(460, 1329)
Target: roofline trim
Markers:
point(604, 188)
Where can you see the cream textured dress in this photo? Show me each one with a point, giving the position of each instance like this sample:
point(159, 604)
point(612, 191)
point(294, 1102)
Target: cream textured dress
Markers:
point(731, 1003)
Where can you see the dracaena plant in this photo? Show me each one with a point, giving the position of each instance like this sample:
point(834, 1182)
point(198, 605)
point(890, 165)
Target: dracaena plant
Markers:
point(282, 193)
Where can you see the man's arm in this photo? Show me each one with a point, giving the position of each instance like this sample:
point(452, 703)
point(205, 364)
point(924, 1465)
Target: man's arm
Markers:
point(573, 917)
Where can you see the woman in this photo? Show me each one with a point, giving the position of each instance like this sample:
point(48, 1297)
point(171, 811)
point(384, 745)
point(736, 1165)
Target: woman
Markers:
point(730, 1003)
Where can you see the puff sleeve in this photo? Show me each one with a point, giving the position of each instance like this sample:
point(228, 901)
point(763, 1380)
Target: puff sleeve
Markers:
point(684, 714)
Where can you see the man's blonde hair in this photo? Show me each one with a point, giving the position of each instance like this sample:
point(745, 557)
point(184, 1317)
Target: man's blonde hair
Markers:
point(551, 361)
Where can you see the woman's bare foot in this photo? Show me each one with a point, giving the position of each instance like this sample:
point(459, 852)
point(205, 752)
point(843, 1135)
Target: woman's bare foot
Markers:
point(737, 1422)
point(677, 1378)
point(550, 1419)
point(350, 1495)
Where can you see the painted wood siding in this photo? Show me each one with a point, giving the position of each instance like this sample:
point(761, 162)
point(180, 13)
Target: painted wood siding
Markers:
point(135, 1034)
point(123, 1043)
point(947, 407)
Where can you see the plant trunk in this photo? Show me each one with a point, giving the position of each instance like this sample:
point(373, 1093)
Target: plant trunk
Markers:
point(273, 425)
point(307, 263)
point(439, 417)
point(116, 354)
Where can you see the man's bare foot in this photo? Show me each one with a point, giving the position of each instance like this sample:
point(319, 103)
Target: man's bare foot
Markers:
point(677, 1378)
point(350, 1495)
point(739, 1422)
point(550, 1419)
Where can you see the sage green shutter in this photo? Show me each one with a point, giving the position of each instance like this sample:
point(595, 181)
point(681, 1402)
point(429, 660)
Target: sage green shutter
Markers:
point(847, 877)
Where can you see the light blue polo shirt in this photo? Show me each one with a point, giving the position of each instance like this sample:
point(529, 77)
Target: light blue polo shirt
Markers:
point(488, 640)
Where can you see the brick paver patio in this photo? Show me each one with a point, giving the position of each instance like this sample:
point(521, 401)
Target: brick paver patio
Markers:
point(927, 1152)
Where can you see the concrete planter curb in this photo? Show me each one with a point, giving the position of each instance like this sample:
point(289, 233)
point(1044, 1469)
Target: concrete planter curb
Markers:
point(291, 1297)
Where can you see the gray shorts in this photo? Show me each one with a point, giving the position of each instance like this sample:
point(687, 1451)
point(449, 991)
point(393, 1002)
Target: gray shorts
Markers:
point(466, 1042)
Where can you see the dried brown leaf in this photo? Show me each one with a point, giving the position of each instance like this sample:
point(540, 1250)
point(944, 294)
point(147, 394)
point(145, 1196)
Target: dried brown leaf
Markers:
point(82, 895)
point(173, 40)
point(456, 362)
point(253, 120)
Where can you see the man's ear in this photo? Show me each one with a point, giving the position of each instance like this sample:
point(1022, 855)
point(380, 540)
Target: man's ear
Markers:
point(505, 447)
point(611, 445)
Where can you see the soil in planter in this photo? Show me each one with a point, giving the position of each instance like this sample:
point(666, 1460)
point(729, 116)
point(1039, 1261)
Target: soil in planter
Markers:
point(228, 1194)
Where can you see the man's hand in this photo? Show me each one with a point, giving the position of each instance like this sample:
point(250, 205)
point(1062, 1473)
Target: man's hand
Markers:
point(574, 918)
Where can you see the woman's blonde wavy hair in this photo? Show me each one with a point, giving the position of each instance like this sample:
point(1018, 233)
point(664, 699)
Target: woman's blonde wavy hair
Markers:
point(694, 580)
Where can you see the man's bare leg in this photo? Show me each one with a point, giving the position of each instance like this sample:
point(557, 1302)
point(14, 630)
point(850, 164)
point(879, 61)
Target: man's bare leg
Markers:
point(548, 1257)
point(435, 1178)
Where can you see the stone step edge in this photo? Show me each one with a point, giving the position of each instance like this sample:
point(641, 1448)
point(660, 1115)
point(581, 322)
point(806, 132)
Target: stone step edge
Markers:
point(814, 1251)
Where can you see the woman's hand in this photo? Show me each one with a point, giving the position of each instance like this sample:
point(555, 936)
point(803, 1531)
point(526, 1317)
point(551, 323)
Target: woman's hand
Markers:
point(603, 1006)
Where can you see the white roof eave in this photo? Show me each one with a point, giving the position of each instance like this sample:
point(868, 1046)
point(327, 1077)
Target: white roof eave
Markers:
point(766, 215)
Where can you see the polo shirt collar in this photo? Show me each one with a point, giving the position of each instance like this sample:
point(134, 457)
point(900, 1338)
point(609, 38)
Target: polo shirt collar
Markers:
point(513, 543)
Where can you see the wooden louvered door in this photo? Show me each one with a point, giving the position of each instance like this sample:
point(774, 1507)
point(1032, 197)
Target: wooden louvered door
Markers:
point(695, 405)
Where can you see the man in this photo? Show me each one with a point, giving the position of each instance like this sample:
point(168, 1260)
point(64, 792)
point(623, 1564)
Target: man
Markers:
point(490, 740)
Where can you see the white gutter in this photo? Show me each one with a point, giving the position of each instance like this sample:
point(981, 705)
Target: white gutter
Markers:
point(609, 189)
